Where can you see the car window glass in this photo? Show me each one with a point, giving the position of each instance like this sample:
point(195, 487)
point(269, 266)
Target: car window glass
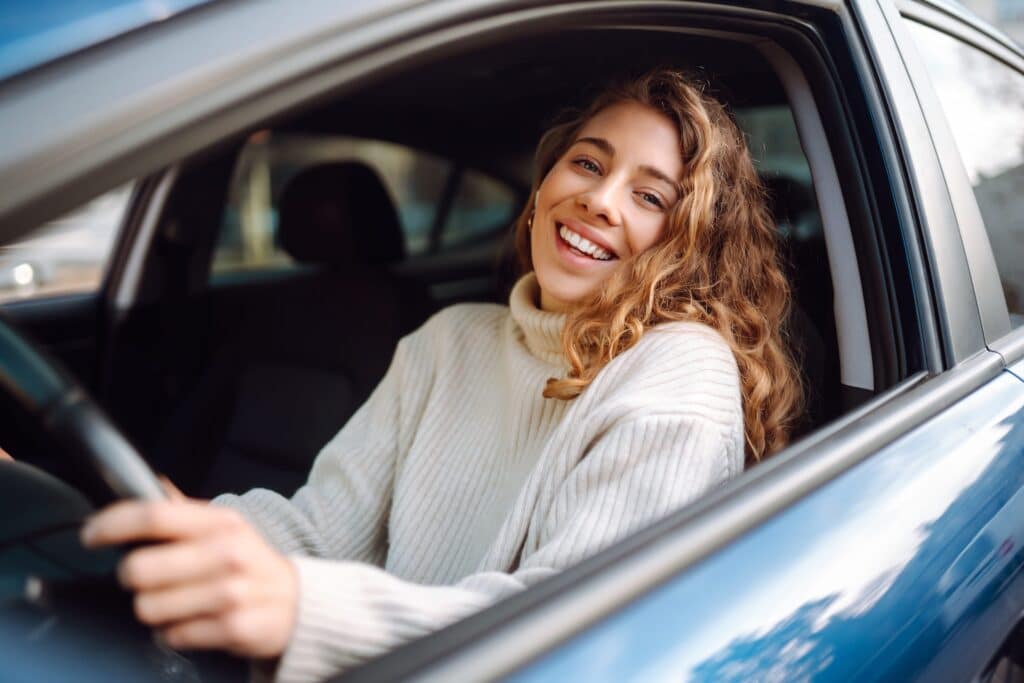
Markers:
point(66, 255)
point(983, 100)
point(414, 180)
point(482, 208)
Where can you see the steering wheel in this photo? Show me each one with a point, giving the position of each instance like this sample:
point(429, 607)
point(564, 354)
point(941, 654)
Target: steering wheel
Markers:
point(74, 592)
point(38, 385)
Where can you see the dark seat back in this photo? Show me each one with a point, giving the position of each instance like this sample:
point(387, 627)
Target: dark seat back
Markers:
point(812, 321)
point(294, 355)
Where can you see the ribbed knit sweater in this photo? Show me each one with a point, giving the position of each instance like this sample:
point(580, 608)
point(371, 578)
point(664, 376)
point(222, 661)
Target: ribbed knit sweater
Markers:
point(457, 484)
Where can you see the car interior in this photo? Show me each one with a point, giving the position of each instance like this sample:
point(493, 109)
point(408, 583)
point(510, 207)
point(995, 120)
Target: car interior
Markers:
point(259, 288)
point(370, 212)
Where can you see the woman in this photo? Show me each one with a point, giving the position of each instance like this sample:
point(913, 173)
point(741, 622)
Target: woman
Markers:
point(639, 364)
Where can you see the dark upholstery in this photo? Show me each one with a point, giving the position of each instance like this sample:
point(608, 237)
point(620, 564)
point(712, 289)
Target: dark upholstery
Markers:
point(293, 356)
point(812, 322)
point(338, 214)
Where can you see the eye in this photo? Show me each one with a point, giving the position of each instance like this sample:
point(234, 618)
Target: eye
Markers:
point(588, 165)
point(652, 199)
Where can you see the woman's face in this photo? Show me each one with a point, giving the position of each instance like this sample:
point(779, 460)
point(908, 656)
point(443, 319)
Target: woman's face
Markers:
point(606, 199)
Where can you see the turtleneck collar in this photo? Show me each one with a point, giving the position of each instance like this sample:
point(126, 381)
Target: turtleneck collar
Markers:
point(542, 330)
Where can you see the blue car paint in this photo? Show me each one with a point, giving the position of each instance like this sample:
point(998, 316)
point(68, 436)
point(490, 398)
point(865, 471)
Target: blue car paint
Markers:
point(33, 32)
point(906, 567)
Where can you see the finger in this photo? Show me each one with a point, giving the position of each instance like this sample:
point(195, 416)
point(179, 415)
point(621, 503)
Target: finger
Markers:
point(4, 455)
point(201, 633)
point(129, 521)
point(193, 601)
point(227, 631)
point(172, 491)
point(167, 564)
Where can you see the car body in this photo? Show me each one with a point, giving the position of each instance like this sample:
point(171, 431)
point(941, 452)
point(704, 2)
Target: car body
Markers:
point(884, 544)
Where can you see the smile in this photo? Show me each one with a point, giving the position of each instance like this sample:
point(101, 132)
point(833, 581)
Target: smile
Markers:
point(583, 245)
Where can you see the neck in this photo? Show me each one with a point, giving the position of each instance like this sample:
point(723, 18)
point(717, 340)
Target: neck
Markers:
point(541, 328)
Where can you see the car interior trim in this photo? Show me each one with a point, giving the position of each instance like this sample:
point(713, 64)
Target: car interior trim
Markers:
point(855, 360)
point(500, 639)
point(127, 286)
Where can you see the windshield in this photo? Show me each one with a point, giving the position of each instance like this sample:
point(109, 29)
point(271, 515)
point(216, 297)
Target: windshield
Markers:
point(33, 32)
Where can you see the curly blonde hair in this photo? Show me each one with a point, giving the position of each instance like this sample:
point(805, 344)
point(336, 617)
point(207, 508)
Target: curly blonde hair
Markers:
point(717, 261)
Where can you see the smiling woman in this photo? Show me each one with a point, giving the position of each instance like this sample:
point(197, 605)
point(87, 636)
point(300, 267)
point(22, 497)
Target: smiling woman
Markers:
point(657, 176)
point(506, 444)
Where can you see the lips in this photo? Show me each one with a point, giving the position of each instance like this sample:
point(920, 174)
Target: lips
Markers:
point(583, 241)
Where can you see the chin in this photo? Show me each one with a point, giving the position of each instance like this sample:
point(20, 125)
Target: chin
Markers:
point(567, 290)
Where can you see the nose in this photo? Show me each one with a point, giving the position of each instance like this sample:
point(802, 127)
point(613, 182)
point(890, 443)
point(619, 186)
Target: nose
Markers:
point(601, 200)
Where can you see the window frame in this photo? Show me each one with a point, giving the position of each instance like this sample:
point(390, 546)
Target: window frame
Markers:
point(992, 307)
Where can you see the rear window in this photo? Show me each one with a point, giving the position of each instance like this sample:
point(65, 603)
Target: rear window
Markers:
point(418, 183)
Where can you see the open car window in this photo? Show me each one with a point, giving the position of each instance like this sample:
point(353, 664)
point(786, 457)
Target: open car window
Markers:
point(66, 255)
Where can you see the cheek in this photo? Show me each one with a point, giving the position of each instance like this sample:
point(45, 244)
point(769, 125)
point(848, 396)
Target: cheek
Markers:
point(646, 233)
point(560, 184)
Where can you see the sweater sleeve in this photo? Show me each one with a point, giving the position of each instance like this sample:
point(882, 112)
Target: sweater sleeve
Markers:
point(341, 511)
point(636, 472)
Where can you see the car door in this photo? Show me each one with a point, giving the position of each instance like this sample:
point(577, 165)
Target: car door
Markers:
point(971, 80)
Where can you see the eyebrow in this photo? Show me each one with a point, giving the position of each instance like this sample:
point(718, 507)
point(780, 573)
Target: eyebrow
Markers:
point(608, 149)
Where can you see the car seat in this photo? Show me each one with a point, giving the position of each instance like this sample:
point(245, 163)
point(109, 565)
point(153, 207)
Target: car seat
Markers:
point(812, 319)
point(295, 354)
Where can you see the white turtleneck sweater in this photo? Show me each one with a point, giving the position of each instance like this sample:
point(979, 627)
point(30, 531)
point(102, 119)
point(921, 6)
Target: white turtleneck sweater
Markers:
point(457, 484)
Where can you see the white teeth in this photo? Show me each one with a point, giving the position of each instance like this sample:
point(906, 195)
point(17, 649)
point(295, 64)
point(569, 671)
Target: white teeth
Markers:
point(583, 244)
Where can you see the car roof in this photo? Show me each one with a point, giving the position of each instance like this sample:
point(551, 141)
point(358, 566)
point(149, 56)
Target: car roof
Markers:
point(34, 32)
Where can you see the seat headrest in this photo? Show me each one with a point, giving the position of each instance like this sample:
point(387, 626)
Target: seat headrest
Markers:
point(337, 214)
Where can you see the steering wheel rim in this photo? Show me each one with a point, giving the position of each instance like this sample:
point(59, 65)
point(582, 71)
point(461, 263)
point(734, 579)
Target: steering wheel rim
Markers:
point(43, 389)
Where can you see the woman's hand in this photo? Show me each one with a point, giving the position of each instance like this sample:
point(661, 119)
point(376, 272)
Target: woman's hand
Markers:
point(4, 455)
point(208, 581)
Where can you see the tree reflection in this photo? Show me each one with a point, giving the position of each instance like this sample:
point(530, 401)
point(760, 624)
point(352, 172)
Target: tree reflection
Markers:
point(897, 626)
